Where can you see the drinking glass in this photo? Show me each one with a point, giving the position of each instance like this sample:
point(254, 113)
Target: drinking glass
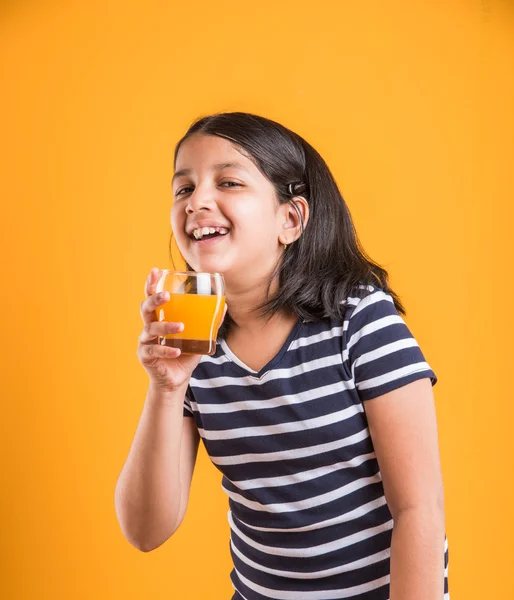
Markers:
point(198, 301)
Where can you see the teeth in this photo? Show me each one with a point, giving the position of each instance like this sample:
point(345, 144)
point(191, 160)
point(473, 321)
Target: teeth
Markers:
point(201, 231)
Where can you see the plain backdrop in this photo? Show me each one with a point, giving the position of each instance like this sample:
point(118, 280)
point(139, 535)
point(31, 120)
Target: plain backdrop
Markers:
point(410, 103)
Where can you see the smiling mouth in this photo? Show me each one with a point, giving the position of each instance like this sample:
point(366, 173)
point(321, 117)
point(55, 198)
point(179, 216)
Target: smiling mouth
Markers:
point(208, 232)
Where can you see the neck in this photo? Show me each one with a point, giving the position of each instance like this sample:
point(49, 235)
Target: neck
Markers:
point(242, 303)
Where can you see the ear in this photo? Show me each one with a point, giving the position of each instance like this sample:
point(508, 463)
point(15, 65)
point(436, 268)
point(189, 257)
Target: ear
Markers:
point(293, 214)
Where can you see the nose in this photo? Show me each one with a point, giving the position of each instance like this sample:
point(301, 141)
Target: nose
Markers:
point(200, 199)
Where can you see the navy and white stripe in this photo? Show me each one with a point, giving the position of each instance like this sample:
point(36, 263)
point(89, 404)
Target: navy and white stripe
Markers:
point(308, 515)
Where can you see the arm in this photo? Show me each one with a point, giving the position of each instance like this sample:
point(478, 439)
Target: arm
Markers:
point(403, 429)
point(153, 488)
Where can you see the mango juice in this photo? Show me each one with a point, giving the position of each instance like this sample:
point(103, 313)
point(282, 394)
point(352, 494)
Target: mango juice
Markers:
point(201, 315)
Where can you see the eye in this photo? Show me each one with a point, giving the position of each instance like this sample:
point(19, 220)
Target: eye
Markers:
point(231, 183)
point(179, 193)
point(228, 183)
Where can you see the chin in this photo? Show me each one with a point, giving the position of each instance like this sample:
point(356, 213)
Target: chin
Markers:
point(208, 266)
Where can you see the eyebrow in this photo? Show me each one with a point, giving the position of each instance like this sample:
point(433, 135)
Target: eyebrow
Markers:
point(217, 167)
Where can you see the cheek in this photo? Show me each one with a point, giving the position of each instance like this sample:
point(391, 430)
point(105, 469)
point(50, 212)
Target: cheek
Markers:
point(261, 226)
point(252, 216)
point(177, 221)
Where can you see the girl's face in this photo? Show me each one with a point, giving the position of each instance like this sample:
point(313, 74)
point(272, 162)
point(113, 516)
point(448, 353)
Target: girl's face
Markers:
point(216, 188)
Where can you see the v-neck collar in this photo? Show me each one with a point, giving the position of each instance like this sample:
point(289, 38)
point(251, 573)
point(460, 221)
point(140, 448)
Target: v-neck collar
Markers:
point(272, 363)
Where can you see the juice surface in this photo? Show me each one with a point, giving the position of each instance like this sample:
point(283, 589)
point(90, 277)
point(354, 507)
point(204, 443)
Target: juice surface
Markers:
point(197, 312)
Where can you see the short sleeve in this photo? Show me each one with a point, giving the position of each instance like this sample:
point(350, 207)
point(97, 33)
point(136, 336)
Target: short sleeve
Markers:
point(188, 411)
point(382, 353)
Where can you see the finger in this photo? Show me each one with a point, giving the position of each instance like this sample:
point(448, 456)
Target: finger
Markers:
point(151, 304)
point(154, 329)
point(152, 352)
point(151, 281)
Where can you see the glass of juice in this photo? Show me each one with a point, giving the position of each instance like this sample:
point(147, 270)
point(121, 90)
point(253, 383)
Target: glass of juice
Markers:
point(198, 301)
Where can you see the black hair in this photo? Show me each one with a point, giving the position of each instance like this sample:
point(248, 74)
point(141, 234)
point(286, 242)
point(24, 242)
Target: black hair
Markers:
point(327, 263)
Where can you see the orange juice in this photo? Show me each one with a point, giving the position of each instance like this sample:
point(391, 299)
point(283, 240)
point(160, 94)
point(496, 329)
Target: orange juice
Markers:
point(201, 316)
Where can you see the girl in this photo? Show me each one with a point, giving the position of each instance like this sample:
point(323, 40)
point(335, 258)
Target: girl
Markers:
point(317, 406)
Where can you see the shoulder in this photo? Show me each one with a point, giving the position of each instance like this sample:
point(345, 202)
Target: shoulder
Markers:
point(370, 320)
point(368, 301)
point(380, 350)
point(362, 307)
point(371, 317)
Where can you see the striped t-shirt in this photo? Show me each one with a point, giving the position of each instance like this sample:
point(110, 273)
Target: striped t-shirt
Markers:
point(307, 511)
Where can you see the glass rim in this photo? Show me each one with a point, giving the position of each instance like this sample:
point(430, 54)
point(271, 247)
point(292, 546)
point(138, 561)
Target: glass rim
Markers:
point(189, 273)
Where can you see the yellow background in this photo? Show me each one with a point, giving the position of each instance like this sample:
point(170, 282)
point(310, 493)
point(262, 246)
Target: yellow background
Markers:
point(411, 105)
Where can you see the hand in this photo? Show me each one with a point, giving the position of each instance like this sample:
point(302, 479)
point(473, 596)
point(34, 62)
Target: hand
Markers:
point(167, 368)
